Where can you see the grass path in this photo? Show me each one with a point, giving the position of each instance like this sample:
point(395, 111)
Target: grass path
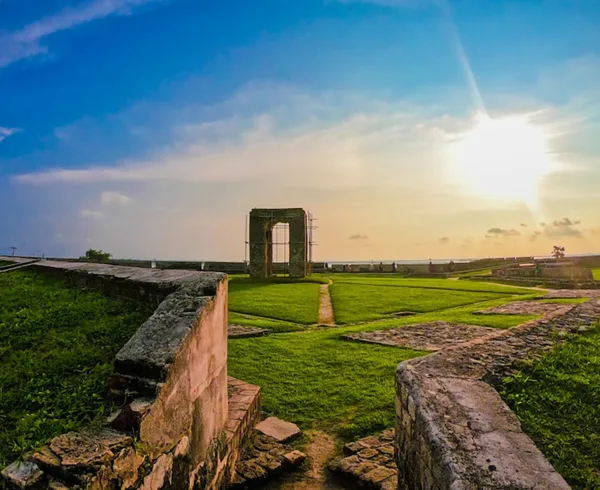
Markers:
point(326, 316)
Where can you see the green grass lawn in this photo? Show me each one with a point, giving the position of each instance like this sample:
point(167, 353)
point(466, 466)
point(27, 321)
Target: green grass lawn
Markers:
point(359, 302)
point(4, 262)
point(395, 280)
point(596, 274)
point(294, 302)
point(481, 272)
point(557, 400)
point(319, 381)
point(57, 346)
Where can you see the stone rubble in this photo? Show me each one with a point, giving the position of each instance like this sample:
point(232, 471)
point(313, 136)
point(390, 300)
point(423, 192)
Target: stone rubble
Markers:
point(370, 461)
point(262, 459)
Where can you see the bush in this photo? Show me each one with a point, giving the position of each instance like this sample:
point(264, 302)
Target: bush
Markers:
point(97, 255)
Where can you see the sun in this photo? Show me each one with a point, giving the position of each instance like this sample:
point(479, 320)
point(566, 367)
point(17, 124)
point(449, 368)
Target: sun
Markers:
point(502, 159)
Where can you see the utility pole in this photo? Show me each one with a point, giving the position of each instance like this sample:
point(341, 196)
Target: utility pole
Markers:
point(13, 250)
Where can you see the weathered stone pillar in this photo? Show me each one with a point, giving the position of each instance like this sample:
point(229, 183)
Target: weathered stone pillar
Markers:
point(259, 234)
point(298, 245)
point(262, 222)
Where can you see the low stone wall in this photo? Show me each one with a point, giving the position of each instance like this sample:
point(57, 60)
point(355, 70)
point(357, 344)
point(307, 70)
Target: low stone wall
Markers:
point(171, 383)
point(453, 431)
point(228, 267)
point(537, 281)
point(571, 273)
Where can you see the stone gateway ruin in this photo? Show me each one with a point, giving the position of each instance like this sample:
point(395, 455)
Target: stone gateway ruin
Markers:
point(262, 222)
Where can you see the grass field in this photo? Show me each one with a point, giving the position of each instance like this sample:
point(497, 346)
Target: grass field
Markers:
point(57, 346)
point(319, 381)
point(4, 262)
point(557, 400)
point(596, 273)
point(394, 280)
point(358, 302)
point(293, 302)
point(481, 272)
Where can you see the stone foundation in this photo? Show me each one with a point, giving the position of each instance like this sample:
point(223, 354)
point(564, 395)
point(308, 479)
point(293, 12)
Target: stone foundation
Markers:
point(171, 383)
point(431, 336)
point(453, 431)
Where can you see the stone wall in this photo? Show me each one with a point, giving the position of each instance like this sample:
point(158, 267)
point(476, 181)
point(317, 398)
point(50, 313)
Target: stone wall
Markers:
point(571, 273)
point(171, 383)
point(453, 431)
point(227, 267)
point(551, 283)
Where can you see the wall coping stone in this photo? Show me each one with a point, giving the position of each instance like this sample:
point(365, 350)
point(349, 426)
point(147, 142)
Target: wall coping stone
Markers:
point(453, 431)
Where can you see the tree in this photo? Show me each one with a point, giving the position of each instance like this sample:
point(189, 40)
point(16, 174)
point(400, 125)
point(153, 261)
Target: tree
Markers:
point(558, 252)
point(96, 255)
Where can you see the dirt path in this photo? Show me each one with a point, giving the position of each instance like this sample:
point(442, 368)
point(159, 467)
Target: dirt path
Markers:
point(325, 307)
point(319, 450)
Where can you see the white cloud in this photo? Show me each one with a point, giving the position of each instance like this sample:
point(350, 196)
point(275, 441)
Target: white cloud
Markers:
point(25, 43)
point(88, 213)
point(6, 132)
point(108, 198)
point(356, 149)
point(378, 166)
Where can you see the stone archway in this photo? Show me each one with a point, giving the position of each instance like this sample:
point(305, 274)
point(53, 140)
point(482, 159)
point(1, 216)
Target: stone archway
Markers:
point(262, 222)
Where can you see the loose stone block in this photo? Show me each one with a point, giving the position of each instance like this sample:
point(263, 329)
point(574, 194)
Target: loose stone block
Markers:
point(278, 429)
point(78, 450)
point(295, 458)
point(24, 474)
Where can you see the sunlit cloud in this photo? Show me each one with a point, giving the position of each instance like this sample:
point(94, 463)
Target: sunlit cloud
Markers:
point(503, 158)
point(386, 168)
point(562, 228)
point(498, 232)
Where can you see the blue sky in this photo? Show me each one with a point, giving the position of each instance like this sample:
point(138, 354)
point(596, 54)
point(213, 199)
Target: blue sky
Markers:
point(150, 127)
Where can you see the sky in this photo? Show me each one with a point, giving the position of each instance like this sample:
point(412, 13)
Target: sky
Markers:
point(410, 129)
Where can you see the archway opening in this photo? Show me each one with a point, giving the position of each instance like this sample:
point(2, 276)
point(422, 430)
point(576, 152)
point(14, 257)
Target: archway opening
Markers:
point(281, 248)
